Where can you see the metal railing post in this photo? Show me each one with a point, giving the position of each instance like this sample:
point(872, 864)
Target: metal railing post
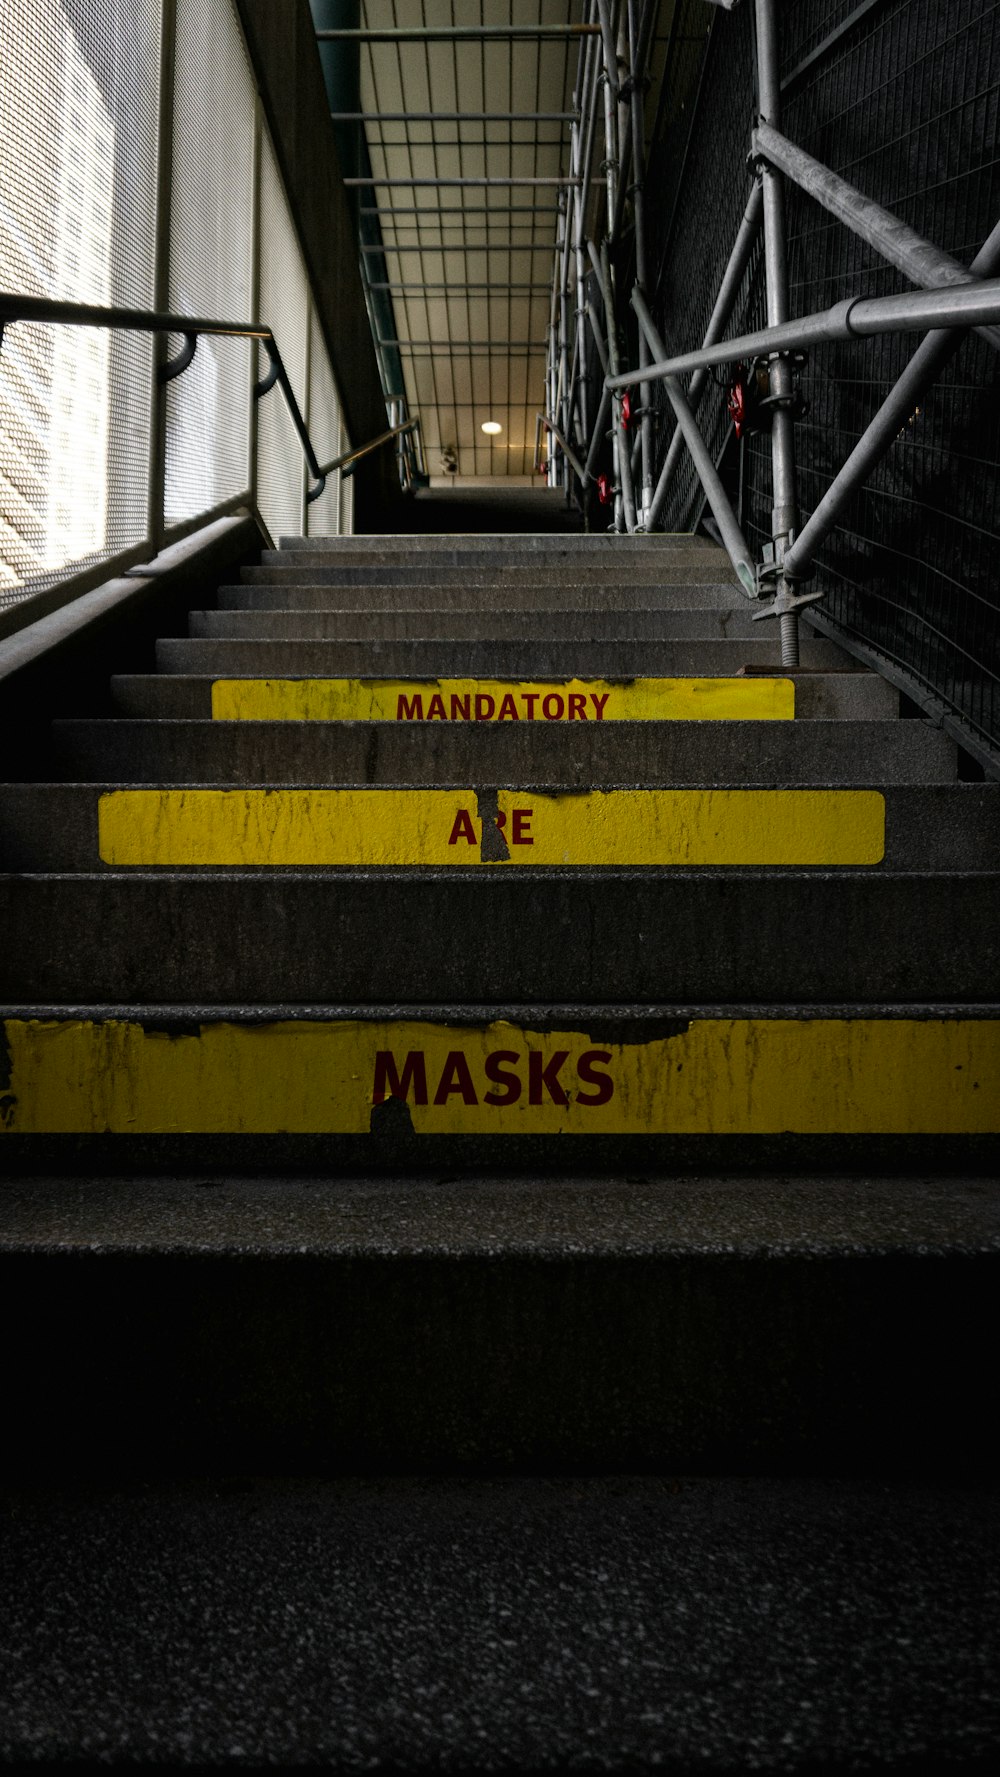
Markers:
point(637, 48)
point(610, 78)
point(623, 460)
point(733, 539)
point(156, 520)
point(784, 513)
point(732, 278)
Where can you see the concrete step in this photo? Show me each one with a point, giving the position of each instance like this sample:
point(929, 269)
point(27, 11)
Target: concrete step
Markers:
point(172, 748)
point(236, 657)
point(465, 595)
point(672, 570)
point(302, 1327)
point(510, 544)
point(752, 936)
point(480, 624)
point(52, 827)
point(370, 1090)
point(519, 1623)
point(811, 696)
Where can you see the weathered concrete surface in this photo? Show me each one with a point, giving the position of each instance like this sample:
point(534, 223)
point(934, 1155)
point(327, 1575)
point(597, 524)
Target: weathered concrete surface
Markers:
point(469, 658)
point(464, 594)
point(626, 1624)
point(717, 1325)
point(691, 936)
point(172, 740)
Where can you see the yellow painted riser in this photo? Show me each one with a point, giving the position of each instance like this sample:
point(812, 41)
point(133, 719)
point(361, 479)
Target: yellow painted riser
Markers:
point(724, 1076)
point(285, 827)
point(508, 700)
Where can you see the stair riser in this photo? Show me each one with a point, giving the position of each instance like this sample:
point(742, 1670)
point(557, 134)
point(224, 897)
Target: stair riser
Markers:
point(574, 1076)
point(190, 1363)
point(471, 659)
point(674, 571)
point(57, 827)
point(608, 937)
point(571, 754)
point(499, 546)
point(590, 595)
point(478, 625)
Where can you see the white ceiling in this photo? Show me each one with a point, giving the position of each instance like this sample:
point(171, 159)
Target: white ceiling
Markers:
point(470, 266)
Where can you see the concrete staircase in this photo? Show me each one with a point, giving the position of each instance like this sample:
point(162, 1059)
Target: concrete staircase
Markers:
point(471, 1012)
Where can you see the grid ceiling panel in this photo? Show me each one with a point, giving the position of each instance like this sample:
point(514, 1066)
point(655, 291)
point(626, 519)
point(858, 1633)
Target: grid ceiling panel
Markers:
point(470, 267)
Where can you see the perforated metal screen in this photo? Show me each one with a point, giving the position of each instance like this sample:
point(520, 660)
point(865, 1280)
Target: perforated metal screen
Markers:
point(284, 294)
point(88, 145)
point(326, 431)
point(79, 101)
point(211, 256)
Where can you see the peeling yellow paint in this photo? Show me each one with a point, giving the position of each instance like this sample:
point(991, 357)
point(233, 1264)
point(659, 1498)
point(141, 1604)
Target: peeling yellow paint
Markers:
point(491, 700)
point(717, 1076)
point(371, 827)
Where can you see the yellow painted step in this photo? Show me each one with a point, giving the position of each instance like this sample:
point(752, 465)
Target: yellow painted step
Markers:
point(372, 827)
point(503, 700)
point(712, 1076)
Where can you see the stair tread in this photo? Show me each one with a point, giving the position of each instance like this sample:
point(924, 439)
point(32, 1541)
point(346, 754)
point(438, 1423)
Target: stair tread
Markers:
point(568, 1218)
point(629, 1623)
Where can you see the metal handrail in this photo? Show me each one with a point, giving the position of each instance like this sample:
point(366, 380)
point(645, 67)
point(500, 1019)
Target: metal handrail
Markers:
point(49, 311)
point(351, 456)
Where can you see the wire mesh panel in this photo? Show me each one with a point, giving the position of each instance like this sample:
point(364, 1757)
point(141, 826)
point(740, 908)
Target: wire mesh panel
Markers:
point(346, 491)
point(78, 129)
point(323, 515)
point(284, 306)
point(211, 257)
point(902, 99)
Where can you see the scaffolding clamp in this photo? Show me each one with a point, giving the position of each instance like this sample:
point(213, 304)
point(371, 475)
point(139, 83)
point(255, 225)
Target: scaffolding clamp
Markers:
point(771, 583)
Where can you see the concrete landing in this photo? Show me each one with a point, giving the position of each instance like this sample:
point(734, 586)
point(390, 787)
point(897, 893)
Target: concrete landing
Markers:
point(621, 1625)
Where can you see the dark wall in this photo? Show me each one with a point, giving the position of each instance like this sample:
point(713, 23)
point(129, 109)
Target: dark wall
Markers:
point(282, 44)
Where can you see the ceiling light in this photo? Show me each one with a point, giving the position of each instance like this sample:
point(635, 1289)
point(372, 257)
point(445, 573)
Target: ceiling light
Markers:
point(492, 427)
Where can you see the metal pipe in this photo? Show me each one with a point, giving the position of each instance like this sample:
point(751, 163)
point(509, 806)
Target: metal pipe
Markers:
point(784, 497)
point(596, 437)
point(621, 433)
point(465, 289)
point(489, 180)
point(566, 449)
point(912, 311)
point(608, 46)
point(465, 345)
point(623, 121)
point(638, 41)
point(419, 217)
point(923, 369)
point(351, 456)
point(453, 116)
point(732, 278)
point(588, 154)
point(917, 258)
point(610, 78)
point(453, 33)
point(505, 246)
point(602, 350)
point(732, 537)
